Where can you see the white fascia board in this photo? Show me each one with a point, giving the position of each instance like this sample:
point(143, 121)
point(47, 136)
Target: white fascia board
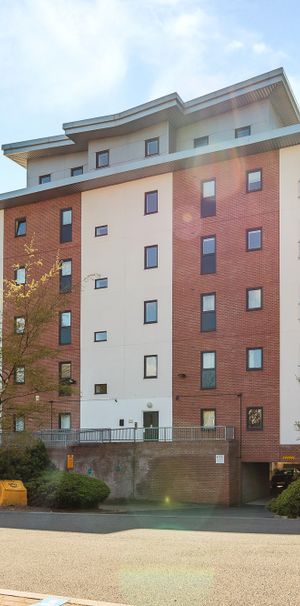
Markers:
point(120, 173)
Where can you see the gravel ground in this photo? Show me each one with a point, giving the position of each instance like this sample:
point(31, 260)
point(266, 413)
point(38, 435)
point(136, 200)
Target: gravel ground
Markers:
point(146, 567)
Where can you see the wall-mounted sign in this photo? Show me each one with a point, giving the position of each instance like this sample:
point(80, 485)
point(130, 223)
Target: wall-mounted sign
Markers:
point(220, 459)
point(288, 458)
point(70, 461)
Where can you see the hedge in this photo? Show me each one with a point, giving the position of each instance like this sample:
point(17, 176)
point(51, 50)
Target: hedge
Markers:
point(24, 462)
point(288, 501)
point(66, 490)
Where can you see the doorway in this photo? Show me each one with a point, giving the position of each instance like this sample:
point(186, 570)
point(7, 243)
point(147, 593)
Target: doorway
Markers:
point(151, 424)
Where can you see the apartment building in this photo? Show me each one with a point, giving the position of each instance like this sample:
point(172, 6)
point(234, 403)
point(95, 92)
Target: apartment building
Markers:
point(181, 221)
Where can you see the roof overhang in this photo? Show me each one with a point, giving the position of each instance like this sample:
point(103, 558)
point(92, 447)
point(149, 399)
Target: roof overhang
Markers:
point(121, 173)
point(272, 85)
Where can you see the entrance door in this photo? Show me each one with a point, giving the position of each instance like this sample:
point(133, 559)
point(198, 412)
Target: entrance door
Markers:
point(151, 423)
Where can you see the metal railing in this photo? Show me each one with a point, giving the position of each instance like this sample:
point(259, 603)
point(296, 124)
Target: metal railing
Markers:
point(56, 438)
point(64, 438)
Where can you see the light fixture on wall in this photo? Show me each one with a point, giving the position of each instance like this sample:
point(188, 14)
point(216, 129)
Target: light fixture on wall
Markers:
point(149, 405)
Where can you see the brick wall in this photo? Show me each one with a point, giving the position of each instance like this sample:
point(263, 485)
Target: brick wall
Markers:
point(43, 224)
point(185, 472)
point(237, 270)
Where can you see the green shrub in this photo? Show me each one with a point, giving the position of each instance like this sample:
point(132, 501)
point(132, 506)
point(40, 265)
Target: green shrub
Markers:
point(24, 462)
point(288, 502)
point(66, 490)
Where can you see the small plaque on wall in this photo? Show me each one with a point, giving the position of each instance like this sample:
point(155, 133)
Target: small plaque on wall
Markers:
point(220, 458)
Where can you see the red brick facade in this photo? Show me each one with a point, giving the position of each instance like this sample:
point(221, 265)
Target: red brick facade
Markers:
point(43, 224)
point(236, 328)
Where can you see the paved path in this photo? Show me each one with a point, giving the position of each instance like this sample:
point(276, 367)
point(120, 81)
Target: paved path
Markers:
point(241, 557)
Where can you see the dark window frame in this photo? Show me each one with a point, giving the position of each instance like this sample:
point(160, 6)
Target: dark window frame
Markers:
point(121, 422)
point(145, 366)
point(98, 155)
point(145, 256)
point(15, 325)
point(15, 375)
point(16, 273)
point(60, 414)
point(251, 427)
point(15, 417)
point(99, 393)
point(145, 307)
point(251, 229)
point(152, 212)
point(240, 128)
point(62, 381)
point(249, 368)
point(100, 332)
point(150, 141)
point(73, 174)
point(202, 138)
point(205, 256)
point(17, 223)
point(61, 277)
point(261, 298)
point(65, 311)
point(101, 287)
point(208, 204)
point(202, 415)
point(66, 229)
point(41, 177)
point(100, 227)
point(203, 369)
point(203, 313)
point(256, 170)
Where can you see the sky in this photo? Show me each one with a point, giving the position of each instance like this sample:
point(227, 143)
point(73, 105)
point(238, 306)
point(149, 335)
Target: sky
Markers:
point(65, 60)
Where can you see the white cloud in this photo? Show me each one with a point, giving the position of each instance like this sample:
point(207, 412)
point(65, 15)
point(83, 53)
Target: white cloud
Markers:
point(260, 47)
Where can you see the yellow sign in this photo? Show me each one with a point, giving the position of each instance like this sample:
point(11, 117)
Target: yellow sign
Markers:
point(288, 458)
point(70, 461)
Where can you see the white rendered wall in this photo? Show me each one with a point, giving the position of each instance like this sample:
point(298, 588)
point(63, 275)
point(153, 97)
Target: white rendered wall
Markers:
point(289, 294)
point(119, 309)
point(58, 166)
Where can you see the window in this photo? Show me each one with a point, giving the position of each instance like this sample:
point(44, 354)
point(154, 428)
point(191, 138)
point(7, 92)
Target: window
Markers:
point(101, 230)
point(66, 225)
point(65, 378)
point(102, 158)
point(20, 275)
point(44, 179)
point(64, 420)
point(151, 202)
point(254, 239)
point(100, 388)
point(19, 325)
point(19, 375)
point(150, 367)
point(101, 335)
point(200, 141)
point(76, 171)
point(152, 147)
point(208, 312)
point(150, 311)
point(20, 227)
point(254, 180)
point(101, 283)
point(19, 423)
point(65, 276)
point(253, 298)
point(208, 370)
point(208, 198)
point(151, 256)
point(243, 131)
point(65, 321)
point(255, 418)
point(208, 418)
point(254, 358)
point(208, 256)
point(121, 422)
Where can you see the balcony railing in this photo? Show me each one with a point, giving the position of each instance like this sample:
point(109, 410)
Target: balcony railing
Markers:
point(64, 438)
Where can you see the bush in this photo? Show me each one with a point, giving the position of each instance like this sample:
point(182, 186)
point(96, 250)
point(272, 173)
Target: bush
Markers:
point(288, 502)
point(23, 463)
point(66, 490)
